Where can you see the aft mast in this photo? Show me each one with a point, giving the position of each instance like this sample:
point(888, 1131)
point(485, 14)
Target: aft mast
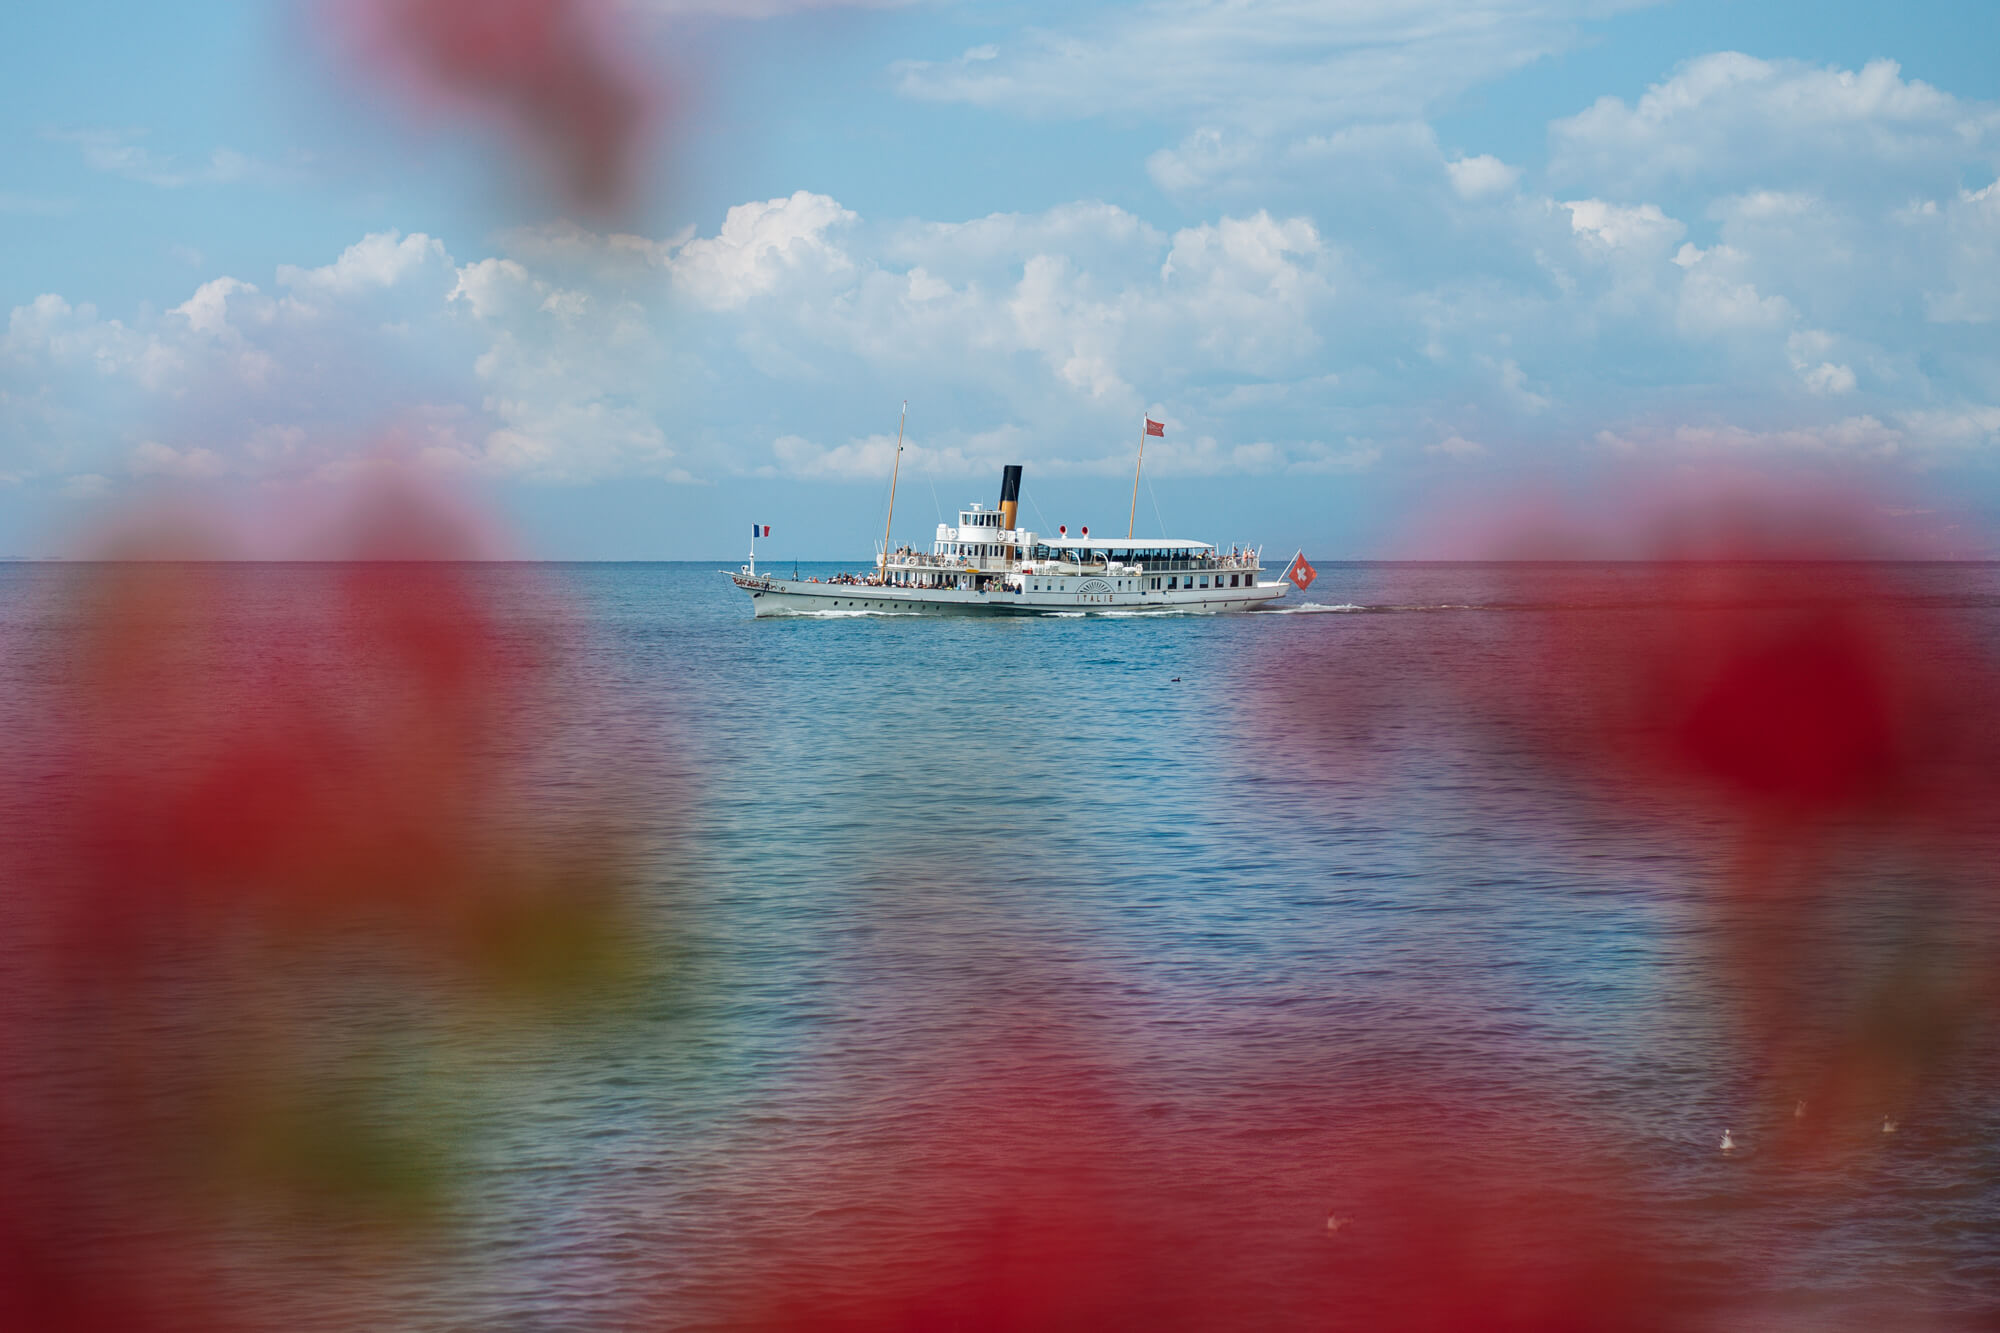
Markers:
point(1151, 427)
point(894, 469)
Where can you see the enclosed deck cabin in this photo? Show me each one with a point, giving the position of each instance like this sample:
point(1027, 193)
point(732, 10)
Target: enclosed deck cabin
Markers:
point(979, 542)
point(979, 553)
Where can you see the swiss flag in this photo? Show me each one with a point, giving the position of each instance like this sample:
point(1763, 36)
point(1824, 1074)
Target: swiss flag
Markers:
point(1158, 428)
point(1301, 573)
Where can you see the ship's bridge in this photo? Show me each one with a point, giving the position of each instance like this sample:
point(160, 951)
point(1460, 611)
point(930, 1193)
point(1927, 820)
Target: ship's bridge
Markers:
point(981, 534)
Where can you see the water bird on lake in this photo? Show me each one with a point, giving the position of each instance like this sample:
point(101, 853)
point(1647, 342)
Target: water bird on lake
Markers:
point(1888, 1125)
point(1335, 1222)
point(1799, 1111)
point(1728, 1144)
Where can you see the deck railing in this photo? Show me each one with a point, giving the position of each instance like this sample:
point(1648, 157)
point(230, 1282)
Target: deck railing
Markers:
point(917, 560)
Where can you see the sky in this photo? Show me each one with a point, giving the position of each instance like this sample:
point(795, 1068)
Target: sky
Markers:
point(1370, 262)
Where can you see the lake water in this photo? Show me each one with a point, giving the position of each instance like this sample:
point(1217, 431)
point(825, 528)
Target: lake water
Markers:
point(1281, 969)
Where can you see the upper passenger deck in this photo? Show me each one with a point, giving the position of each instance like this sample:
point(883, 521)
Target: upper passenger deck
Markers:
point(980, 542)
point(987, 546)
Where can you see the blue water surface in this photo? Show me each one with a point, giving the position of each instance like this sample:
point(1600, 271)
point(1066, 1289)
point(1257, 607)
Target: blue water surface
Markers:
point(880, 841)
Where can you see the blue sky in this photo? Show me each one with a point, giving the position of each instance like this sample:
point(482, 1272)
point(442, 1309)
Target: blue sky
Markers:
point(1367, 260)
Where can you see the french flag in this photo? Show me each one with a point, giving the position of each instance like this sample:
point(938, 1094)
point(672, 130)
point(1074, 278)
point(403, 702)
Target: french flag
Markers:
point(756, 531)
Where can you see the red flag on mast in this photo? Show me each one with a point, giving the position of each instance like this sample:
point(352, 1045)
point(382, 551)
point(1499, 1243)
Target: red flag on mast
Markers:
point(1300, 572)
point(1156, 427)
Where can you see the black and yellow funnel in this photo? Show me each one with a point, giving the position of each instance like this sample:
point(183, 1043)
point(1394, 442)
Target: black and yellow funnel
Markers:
point(1010, 494)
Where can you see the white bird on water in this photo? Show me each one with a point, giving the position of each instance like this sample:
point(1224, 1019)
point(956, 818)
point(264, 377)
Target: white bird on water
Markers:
point(1728, 1144)
point(1799, 1111)
point(1888, 1125)
point(1335, 1223)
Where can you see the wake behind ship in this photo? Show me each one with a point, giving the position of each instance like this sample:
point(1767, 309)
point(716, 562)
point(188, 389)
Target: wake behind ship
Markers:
point(988, 565)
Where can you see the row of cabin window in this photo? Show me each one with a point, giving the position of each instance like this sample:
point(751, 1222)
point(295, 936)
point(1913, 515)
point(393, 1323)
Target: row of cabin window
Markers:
point(1172, 579)
point(1058, 552)
point(1043, 551)
point(1173, 583)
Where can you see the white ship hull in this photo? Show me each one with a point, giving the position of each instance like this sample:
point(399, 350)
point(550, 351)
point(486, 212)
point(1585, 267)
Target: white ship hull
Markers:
point(793, 597)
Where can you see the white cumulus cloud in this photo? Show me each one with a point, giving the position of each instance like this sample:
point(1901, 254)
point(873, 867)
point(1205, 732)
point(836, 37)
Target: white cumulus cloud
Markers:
point(1729, 117)
point(760, 244)
point(1482, 176)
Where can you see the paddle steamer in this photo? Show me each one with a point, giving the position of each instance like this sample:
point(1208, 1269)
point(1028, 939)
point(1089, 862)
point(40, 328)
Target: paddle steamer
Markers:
point(987, 564)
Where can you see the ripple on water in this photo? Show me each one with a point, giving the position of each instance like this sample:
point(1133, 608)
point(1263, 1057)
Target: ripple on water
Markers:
point(966, 898)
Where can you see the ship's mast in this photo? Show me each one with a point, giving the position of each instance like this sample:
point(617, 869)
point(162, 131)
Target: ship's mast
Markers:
point(1134, 515)
point(894, 469)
